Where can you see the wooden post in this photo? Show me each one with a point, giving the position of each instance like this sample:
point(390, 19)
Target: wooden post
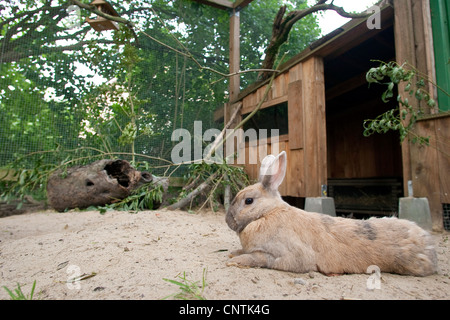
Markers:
point(404, 48)
point(420, 164)
point(315, 136)
point(234, 60)
point(234, 54)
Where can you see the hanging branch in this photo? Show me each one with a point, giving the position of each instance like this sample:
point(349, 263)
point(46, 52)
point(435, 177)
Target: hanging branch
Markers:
point(283, 24)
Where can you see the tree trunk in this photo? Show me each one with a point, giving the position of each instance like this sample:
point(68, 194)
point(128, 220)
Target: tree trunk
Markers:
point(99, 183)
point(279, 36)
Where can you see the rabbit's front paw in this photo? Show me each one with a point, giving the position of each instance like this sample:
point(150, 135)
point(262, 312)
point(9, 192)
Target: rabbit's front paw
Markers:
point(254, 259)
point(240, 261)
point(235, 253)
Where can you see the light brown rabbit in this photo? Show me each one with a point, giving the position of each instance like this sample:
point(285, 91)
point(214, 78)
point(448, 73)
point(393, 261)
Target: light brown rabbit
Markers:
point(276, 235)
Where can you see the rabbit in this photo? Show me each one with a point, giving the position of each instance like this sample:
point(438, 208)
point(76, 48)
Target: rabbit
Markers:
point(275, 235)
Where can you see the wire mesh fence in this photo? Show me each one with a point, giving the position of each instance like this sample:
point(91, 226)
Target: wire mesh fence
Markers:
point(73, 92)
point(70, 92)
point(446, 215)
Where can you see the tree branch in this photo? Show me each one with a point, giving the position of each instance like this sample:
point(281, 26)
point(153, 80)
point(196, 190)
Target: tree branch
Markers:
point(218, 141)
point(93, 9)
point(29, 13)
point(184, 202)
point(13, 55)
point(282, 27)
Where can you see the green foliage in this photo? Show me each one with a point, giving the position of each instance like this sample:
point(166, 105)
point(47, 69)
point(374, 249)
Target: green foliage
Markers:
point(24, 115)
point(18, 294)
point(143, 198)
point(189, 290)
point(237, 178)
point(226, 175)
point(256, 31)
point(405, 115)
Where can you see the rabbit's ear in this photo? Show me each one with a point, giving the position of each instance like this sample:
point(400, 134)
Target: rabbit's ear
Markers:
point(272, 171)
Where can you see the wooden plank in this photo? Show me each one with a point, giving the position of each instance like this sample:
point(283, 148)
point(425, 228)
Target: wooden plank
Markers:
point(412, 36)
point(240, 4)
point(313, 100)
point(429, 49)
point(269, 103)
point(426, 180)
point(253, 168)
point(295, 115)
point(219, 4)
point(295, 72)
point(424, 55)
point(321, 122)
point(284, 188)
point(404, 51)
point(275, 88)
point(234, 55)
point(280, 86)
point(247, 103)
point(296, 186)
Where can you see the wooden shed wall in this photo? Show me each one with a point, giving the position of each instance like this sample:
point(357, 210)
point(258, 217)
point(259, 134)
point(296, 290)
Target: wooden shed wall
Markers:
point(302, 86)
point(427, 167)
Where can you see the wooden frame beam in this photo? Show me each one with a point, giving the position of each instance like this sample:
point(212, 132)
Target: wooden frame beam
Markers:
point(239, 4)
point(219, 4)
point(225, 4)
point(234, 54)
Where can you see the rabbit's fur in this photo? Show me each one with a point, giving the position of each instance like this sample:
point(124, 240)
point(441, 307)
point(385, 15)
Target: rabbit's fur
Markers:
point(276, 235)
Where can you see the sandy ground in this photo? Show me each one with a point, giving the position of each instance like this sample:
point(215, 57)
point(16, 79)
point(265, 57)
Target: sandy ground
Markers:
point(127, 256)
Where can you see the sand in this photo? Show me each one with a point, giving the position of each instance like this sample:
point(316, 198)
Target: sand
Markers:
point(121, 255)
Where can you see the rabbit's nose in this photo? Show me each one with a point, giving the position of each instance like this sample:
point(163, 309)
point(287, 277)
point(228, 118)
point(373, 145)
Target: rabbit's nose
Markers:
point(229, 219)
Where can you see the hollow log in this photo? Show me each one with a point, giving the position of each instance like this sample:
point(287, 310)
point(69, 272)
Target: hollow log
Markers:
point(96, 184)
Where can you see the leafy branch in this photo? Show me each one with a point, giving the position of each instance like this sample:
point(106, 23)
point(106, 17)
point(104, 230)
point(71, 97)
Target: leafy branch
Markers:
point(214, 177)
point(405, 115)
point(143, 198)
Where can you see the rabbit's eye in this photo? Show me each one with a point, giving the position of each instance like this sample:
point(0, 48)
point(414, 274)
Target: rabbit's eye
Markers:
point(248, 200)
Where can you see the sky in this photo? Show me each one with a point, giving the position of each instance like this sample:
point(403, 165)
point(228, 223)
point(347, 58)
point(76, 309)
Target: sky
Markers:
point(330, 20)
